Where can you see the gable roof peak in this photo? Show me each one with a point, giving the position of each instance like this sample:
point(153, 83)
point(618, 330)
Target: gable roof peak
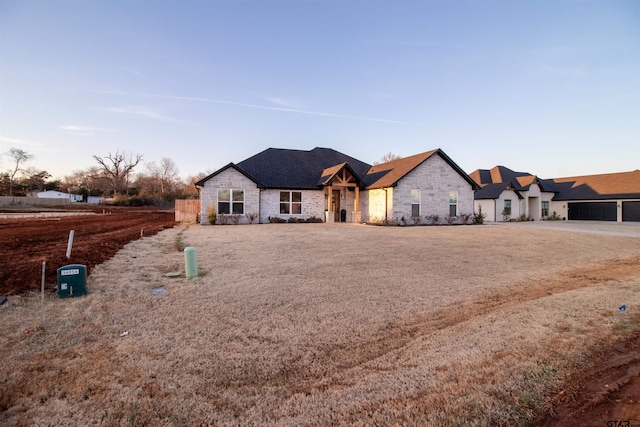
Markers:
point(389, 173)
point(403, 161)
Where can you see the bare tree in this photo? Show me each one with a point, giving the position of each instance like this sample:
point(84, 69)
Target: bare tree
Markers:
point(188, 184)
point(19, 156)
point(387, 158)
point(166, 174)
point(117, 168)
point(88, 182)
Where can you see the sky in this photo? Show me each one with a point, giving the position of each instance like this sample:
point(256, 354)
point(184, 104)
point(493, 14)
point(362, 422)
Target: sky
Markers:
point(546, 87)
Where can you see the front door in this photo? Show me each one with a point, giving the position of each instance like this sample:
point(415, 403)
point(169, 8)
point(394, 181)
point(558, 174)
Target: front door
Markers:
point(335, 203)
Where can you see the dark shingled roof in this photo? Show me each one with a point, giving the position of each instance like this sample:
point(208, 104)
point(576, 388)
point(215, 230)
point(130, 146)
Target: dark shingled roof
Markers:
point(493, 191)
point(310, 170)
point(621, 185)
point(503, 175)
point(294, 169)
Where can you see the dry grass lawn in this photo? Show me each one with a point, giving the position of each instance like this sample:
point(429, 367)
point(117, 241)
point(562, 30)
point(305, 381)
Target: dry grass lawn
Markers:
point(318, 324)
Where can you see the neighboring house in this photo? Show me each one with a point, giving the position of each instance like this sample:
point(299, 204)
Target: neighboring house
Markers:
point(51, 194)
point(326, 184)
point(605, 197)
point(505, 194)
point(95, 200)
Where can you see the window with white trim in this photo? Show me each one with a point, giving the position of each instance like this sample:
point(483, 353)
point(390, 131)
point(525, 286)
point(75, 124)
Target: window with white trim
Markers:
point(230, 201)
point(545, 209)
point(291, 202)
point(415, 202)
point(507, 206)
point(453, 203)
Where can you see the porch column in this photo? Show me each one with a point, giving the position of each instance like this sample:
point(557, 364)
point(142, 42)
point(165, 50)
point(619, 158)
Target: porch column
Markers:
point(328, 214)
point(357, 215)
point(356, 202)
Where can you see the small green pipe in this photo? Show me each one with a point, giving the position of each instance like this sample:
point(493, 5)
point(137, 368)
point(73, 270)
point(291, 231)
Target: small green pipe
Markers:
point(190, 262)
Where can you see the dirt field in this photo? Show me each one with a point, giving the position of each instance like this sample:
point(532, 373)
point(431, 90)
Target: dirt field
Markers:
point(316, 324)
point(26, 243)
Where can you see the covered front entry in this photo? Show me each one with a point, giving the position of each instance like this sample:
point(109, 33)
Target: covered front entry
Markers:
point(335, 204)
point(533, 208)
point(342, 193)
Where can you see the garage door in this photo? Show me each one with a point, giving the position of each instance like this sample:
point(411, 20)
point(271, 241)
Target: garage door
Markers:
point(593, 211)
point(631, 211)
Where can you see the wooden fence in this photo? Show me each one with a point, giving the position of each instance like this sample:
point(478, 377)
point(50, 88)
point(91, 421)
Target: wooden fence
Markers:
point(187, 210)
point(7, 201)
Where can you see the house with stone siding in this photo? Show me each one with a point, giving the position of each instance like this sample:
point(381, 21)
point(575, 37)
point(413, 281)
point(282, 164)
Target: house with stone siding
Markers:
point(326, 185)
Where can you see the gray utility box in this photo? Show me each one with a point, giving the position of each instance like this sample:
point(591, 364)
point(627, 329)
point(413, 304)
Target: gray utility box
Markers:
point(72, 280)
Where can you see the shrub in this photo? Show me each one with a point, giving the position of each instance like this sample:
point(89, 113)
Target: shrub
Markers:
point(383, 221)
point(212, 215)
point(294, 220)
point(252, 217)
point(554, 217)
point(433, 219)
point(133, 201)
point(479, 217)
point(226, 219)
point(466, 218)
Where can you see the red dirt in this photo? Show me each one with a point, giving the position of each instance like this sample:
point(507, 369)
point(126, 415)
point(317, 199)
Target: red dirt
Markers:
point(605, 393)
point(26, 243)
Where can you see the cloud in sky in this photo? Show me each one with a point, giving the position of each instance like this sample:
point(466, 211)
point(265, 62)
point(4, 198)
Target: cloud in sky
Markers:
point(133, 110)
point(141, 111)
point(281, 102)
point(83, 130)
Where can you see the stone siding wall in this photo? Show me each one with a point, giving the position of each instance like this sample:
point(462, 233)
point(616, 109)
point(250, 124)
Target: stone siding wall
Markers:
point(374, 204)
point(229, 178)
point(313, 205)
point(434, 178)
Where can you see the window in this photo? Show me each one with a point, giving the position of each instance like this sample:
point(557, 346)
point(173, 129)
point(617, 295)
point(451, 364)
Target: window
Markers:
point(415, 202)
point(230, 201)
point(291, 202)
point(545, 209)
point(453, 203)
point(507, 206)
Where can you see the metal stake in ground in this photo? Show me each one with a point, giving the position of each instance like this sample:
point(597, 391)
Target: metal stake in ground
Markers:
point(71, 232)
point(44, 267)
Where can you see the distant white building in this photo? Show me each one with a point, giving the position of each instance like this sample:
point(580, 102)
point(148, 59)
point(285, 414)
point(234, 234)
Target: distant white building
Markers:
point(95, 200)
point(51, 194)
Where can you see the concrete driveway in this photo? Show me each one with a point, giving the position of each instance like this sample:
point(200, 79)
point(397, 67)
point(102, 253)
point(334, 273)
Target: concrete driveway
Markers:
point(626, 229)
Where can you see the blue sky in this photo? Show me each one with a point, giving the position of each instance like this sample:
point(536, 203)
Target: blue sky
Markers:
point(547, 87)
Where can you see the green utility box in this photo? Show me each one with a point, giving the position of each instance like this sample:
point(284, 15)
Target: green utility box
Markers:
point(72, 280)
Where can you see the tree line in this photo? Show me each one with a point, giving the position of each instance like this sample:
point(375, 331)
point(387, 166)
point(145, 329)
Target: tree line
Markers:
point(115, 176)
